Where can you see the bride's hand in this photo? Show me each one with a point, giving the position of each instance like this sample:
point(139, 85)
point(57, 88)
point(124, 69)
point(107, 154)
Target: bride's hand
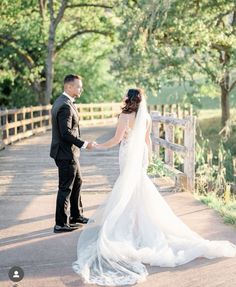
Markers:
point(99, 146)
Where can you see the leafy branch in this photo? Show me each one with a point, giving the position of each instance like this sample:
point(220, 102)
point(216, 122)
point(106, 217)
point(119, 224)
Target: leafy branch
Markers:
point(71, 37)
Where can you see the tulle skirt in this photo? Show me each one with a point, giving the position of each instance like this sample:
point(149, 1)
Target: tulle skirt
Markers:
point(131, 229)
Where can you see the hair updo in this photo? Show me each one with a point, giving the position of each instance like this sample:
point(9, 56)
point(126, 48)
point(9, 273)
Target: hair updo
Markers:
point(134, 97)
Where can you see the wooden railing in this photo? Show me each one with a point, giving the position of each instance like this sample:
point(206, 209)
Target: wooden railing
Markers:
point(179, 110)
point(16, 124)
point(169, 129)
point(93, 114)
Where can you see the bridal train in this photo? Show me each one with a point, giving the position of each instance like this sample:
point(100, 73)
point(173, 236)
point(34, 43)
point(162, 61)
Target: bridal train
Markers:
point(135, 226)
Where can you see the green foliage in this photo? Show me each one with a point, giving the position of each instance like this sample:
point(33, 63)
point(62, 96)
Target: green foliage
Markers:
point(213, 171)
point(91, 62)
point(215, 181)
point(170, 43)
point(160, 45)
point(83, 45)
point(210, 128)
point(21, 53)
point(227, 209)
point(157, 167)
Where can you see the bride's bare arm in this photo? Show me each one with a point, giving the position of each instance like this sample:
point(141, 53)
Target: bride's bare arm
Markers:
point(148, 138)
point(120, 130)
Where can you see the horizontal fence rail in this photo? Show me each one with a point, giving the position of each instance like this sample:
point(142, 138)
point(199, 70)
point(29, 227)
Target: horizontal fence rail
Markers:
point(164, 135)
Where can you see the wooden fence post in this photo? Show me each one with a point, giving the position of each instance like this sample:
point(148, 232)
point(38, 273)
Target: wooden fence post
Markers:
point(169, 136)
point(41, 116)
point(189, 159)
point(171, 109)
point(2, 145)
point(32, 118)
point(156, 133)
point(163, 110)
point(113, 110)
point(6, 125)
point(177, 110)
point(49, 115)
point(23, 120)
point(91, 110)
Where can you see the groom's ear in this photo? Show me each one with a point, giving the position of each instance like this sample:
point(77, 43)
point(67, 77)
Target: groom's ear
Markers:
point(67, 86)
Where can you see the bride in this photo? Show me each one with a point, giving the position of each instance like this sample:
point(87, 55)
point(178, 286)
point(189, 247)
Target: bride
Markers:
point(135, 226)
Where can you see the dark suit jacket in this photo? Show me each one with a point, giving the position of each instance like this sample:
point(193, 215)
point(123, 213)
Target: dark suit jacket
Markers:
point(66, 140)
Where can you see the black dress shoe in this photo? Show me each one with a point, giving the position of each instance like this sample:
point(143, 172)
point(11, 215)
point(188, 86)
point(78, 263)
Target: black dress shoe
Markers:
point(65, 228)
point(80, 219)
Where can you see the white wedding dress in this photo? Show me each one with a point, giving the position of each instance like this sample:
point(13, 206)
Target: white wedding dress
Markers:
point(135, 226)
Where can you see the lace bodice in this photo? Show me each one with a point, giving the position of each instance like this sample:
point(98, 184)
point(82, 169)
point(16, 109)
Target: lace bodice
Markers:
point(126, 135)
point(124, 149)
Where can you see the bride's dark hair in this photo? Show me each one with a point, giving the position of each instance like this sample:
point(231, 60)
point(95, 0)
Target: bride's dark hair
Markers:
point(134, 97)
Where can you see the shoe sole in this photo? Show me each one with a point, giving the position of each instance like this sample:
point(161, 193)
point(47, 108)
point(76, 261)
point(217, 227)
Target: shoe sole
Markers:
point(77, 222)
point(61, 231)
point(75, 225)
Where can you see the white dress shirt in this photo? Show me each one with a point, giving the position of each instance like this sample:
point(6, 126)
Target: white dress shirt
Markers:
point(73, 100)
point(68, 96)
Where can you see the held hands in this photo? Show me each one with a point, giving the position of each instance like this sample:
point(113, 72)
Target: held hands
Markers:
point(91, 145)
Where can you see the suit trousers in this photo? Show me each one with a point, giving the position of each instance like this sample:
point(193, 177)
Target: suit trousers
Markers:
point(70, 182)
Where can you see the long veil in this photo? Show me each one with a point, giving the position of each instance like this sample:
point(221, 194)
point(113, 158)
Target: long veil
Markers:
point(135, 226)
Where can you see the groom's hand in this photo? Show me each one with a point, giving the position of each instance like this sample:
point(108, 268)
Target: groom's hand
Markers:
point(91, 145)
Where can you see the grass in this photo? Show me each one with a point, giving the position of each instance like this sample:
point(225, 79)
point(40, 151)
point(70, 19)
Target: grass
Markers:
point(226, 209)
point(209, 122)
point(157, 167)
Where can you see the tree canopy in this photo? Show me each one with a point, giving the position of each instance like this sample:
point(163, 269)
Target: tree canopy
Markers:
point(164, 42)
point(114, 44)
point(39, 37)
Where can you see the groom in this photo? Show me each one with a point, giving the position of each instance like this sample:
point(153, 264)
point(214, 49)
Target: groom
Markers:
point(65, 150)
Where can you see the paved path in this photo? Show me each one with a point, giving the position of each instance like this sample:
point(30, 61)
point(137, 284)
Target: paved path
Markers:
point(28, 182)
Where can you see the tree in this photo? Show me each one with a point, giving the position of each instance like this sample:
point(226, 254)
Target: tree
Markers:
point(91, 60)
point(22, 45)
point(33, 33)
point(166, 40)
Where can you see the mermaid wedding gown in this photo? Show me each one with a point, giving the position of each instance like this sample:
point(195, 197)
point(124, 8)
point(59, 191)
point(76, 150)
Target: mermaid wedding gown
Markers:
point(135, 226)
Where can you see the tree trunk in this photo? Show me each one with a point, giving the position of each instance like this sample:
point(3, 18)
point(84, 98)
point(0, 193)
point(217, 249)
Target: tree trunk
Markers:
point(49, 65)
point(224, 86)
point(41, 92)
point(225, 106)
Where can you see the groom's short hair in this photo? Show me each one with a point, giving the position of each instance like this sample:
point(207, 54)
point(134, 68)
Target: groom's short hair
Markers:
point(71, 78)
